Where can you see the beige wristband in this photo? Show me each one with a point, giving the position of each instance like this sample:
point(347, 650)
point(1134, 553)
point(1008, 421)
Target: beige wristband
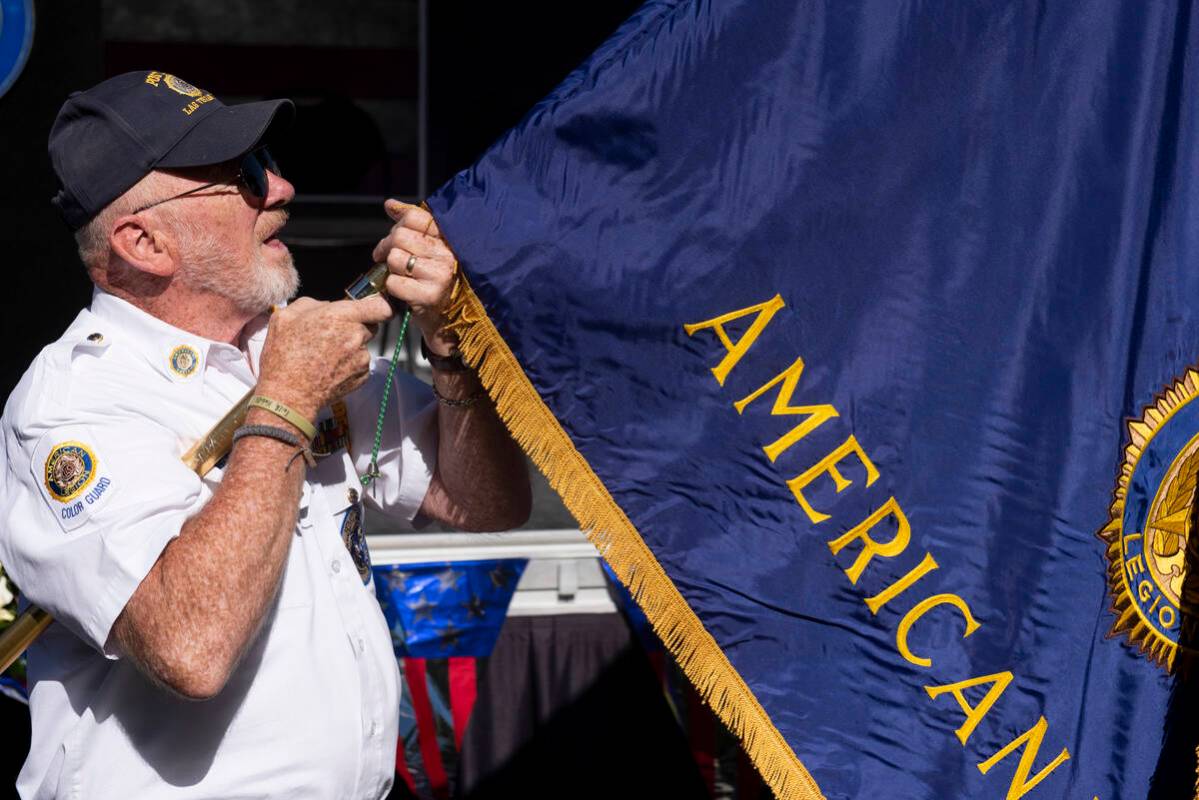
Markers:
point(284, 412)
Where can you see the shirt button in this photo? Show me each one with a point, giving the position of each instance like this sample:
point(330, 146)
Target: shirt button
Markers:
point(374, 728)
point(335, 566)
point(361, 645)
point(95, 337)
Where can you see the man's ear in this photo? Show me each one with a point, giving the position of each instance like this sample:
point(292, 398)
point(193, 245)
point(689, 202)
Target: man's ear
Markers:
point(150, 251)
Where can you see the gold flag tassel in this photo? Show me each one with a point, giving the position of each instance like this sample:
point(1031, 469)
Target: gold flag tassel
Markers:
point(605, 524)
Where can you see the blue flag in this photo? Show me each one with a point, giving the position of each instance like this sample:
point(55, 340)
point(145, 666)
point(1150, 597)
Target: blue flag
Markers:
point(858, 336)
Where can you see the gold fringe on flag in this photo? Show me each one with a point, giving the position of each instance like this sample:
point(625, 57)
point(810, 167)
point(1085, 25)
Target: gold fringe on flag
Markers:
point(605, 524)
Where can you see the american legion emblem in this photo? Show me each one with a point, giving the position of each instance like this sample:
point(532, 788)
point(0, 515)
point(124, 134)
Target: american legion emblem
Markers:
point(1149, 527)
point(184, 360)
point(181, 86)
point(70, 467)
point(74, 482)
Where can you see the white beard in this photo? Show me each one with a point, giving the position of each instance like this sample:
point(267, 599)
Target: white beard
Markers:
point(253, 288)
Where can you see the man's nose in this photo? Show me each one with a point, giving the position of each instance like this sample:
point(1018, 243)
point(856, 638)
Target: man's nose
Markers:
point(279, 191)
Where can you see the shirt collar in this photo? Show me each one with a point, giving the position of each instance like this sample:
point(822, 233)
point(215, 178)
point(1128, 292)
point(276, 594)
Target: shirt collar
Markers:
point(174, 353)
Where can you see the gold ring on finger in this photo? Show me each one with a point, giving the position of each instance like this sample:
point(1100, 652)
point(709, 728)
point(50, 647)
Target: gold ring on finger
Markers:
point(411, 265)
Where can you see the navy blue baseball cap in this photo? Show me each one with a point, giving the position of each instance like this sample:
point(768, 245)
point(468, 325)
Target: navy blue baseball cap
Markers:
point(109, 137)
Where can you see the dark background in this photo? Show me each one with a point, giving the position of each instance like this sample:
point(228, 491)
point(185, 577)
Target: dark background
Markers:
point(354, 79)
point(353, 75)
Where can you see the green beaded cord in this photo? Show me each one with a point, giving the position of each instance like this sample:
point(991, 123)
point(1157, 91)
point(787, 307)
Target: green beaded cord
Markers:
point(372, 471)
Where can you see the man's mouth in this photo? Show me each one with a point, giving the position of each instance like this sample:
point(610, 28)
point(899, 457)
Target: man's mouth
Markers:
point(272, 239)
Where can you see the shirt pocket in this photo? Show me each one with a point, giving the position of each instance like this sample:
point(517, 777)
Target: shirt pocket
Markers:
point(296, 590)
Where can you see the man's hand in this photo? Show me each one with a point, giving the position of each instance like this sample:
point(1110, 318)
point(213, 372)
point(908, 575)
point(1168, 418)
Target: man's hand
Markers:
point(422, 271)
point(316, 352)
point(235, 548)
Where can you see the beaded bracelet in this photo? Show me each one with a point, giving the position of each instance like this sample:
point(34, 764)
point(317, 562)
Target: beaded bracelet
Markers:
point(453, 402)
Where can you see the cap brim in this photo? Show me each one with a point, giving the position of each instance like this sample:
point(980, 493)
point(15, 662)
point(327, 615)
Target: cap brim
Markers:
point(229, 132)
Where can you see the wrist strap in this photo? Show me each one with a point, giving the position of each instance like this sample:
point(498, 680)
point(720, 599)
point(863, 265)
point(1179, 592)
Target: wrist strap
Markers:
point(450, 363)
point(279, 434)
point(284, 412)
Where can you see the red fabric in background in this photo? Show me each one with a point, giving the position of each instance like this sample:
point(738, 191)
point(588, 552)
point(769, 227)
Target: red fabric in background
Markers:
point(529, 720)
point(402, 772)
point(415, 670)
point(463, 691)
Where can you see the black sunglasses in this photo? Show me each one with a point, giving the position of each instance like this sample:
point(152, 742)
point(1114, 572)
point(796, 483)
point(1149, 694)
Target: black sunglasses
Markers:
point(251, 174)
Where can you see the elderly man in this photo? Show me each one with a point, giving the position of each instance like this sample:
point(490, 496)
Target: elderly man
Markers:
point(218, 636)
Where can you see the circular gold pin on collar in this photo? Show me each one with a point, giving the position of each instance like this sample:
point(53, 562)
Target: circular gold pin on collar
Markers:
point(184, 360)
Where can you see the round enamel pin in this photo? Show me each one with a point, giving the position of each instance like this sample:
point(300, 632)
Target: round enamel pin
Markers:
point(184, 360)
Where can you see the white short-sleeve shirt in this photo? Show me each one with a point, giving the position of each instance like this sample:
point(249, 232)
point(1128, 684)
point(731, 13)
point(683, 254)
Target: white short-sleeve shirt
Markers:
point(93, 488)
